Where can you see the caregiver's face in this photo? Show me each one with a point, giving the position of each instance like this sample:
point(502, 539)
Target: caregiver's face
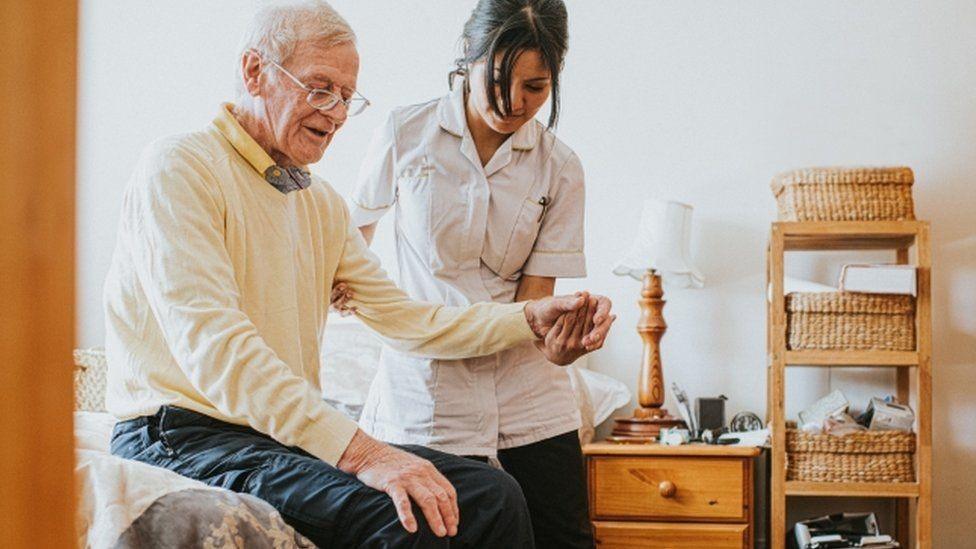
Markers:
point(300, 133)
point(531, 84)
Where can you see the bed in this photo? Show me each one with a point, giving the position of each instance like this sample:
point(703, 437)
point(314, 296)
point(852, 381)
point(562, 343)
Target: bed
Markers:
point(127, 504)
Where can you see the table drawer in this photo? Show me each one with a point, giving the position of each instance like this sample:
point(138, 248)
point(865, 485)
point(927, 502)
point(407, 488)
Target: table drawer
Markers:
point(669, 488)
point(612, 535)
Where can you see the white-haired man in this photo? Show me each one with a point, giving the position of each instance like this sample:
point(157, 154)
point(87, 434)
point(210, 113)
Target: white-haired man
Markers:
point(227, 254)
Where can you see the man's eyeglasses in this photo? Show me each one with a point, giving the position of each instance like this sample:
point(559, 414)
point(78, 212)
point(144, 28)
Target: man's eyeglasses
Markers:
point(325, 100)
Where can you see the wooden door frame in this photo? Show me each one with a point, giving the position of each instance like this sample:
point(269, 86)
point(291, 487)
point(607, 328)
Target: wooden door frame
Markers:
point(38, 83)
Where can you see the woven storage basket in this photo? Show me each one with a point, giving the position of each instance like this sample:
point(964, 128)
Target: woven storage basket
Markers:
point(850, 321)
point(866, 456)
point(90, 378)
point(845, 194)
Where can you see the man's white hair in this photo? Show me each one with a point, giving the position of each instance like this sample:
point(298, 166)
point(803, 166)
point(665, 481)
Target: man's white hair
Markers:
point(275, 31)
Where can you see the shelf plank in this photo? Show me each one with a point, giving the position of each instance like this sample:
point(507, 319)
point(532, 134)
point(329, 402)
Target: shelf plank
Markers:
point(853, 489)
point(776, 341)
point(654, 449)
point(848, 235)
point(852, 358)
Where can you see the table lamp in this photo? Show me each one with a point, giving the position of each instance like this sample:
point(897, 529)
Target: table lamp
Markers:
point(660, 251)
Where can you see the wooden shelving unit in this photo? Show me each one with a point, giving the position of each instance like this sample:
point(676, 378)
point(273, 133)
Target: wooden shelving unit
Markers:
point(913, 500)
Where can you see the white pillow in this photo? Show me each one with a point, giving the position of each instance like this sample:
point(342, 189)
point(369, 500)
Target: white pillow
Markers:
point(598, 396)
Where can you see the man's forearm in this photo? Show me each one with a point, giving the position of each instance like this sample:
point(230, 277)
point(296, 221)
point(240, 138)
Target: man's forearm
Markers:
point(438, 331)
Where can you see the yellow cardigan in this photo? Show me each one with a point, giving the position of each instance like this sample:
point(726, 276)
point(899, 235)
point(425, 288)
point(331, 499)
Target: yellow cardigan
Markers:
point(219, 289)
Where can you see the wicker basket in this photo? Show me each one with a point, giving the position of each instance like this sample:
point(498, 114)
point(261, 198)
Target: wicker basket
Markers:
point(866, 456)
point(850, 321)
point(845, 194)
point(90, 378)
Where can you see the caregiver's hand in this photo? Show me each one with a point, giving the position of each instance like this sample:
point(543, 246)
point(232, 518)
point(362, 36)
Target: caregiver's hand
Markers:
point(569, 326)
point(341, 294)
point(403, 476)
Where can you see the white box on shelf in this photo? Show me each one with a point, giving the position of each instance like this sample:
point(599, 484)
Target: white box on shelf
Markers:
point(878, 279)
point(827, 406)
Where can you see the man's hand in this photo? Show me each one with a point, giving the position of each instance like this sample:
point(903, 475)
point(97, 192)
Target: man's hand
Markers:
point(403, 476)
point(569, 326)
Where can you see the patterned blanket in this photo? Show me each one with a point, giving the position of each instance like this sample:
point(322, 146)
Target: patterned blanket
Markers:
point(127, 504)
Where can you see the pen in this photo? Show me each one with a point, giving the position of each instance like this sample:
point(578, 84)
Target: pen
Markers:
point(544, 202)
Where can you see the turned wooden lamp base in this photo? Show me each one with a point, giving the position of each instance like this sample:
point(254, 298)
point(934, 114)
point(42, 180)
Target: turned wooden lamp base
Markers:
point(644, 426)
point(650, 416)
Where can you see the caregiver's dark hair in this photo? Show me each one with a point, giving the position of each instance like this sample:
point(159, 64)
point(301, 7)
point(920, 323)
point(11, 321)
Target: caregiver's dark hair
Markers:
point(510, 27)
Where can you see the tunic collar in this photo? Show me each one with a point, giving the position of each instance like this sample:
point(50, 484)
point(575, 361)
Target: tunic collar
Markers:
point(450, 113)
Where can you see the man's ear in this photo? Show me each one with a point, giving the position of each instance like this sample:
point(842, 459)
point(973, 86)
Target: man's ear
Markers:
point(251, 72)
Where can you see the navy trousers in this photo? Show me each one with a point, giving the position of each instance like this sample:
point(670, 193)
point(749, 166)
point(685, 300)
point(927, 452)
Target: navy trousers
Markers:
point(326, 505)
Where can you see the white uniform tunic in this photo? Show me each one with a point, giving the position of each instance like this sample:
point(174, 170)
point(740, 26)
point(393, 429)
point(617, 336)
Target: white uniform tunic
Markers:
point(465, 234)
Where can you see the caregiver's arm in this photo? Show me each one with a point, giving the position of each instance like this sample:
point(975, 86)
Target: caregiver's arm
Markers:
point(532, 287)
point(376, 185)
point(369, 230)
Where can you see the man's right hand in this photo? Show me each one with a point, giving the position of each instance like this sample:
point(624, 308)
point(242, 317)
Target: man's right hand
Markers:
point(404, 477)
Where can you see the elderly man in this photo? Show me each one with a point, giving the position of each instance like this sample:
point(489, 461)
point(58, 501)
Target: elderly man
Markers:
point(227, 254)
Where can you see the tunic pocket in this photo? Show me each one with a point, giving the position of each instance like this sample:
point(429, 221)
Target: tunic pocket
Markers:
point(432, 210)
point(522, 240)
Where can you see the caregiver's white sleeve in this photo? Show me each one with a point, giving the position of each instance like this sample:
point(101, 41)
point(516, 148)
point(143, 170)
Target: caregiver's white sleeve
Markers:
point(558, 250)
point(376, 186)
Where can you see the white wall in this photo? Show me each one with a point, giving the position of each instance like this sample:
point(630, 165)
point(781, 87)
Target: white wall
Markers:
point(697, 101)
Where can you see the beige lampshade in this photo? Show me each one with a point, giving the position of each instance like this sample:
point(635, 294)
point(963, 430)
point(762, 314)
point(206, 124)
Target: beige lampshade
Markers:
point(662, 243)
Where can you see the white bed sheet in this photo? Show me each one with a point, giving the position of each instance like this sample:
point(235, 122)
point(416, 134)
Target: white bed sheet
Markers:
point(113, 492)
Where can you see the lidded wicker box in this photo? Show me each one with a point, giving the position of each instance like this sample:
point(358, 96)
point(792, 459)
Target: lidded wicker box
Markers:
point(91, 371)
point(865, 456)
point(850, 321)
point(845, 194)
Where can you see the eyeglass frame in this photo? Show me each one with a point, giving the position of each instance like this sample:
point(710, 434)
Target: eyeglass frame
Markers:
point(338, 98)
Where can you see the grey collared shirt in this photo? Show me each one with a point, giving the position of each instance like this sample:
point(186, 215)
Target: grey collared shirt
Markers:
point(288, 179)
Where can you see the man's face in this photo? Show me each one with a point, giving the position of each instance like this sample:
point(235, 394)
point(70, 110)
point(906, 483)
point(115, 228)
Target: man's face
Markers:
point(299, 133)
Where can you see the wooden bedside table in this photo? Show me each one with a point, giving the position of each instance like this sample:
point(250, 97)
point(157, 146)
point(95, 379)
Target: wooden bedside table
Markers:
point(690, 496)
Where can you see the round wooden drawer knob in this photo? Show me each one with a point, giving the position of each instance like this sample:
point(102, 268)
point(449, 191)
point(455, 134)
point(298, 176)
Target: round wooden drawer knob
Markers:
point(667, 489)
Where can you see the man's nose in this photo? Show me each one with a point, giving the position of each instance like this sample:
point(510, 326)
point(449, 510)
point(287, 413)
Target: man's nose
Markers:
point(337, 115)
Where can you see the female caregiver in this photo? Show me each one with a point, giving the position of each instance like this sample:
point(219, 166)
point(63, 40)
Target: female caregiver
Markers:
point(489, 207)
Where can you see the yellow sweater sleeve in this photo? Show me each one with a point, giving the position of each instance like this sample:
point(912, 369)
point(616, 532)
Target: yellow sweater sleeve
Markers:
point(173, 220)
point(421, 328)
